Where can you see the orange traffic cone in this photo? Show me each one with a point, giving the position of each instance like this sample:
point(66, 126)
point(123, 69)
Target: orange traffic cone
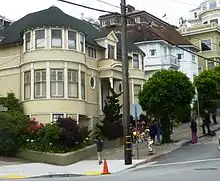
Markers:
point(105, 168)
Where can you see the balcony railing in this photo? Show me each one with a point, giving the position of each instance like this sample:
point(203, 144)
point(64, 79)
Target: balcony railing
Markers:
point(172, 61)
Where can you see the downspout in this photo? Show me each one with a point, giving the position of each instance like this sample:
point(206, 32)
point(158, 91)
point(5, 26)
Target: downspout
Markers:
point(20, 61)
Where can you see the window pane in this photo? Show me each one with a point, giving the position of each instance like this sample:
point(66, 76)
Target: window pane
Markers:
point(37, 89)
point(206, 45)
point(37, 76)
point(73, 89)
point(27, 91)
point(43, 78)
point(40, 38)
point(56, 38)
point(44, 86)
point(53, 88)
point(135, 61)
point(83, 91)
point(60, 75)
point(72, 40)
point(53, 75)
point(212, 5)
point(111, 51)
point(60, 88)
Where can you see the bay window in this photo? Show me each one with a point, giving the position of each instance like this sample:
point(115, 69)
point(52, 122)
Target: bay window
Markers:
point(83, 93)
point(73, 83)
point(82, 42)
point(27, 85)
point(40, 38)
point(56, 38)
point(27, 41)
point(56, 83)
point(40, 83)
point(71, 39)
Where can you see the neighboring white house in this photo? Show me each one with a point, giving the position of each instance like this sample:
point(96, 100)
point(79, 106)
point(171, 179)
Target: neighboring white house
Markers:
point(162, 55)
point(207, 12)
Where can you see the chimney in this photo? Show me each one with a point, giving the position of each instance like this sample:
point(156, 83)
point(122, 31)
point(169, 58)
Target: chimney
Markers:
point(130, 8)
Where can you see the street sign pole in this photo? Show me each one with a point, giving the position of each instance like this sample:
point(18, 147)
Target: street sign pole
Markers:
point(136, 124)
point(136, 111)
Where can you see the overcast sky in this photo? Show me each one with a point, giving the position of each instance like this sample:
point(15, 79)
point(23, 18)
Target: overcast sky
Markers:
point(15, 9)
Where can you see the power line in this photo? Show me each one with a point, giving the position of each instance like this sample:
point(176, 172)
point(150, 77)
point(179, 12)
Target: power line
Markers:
point(87, 7)
point(95, 9)
point(30, 49)
point(104, 2)
point(209, 59)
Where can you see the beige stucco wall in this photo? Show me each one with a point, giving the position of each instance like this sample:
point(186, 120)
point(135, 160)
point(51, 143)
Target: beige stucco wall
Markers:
point(214, 53)
point(14, 62)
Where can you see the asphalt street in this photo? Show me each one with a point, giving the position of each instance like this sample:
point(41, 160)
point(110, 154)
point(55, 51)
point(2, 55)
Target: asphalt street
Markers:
point(199, 162)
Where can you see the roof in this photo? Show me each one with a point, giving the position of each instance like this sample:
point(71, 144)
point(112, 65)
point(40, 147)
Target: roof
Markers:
point(130, 43)
point(52, 16)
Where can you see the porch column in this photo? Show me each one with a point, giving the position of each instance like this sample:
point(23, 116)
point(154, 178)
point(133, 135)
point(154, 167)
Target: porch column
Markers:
point(100, 96)
point(32, 81)
point(132, 91)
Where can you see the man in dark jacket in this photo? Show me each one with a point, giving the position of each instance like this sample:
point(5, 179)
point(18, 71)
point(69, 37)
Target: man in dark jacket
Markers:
point(206, 122)
point(214, 117)
point(99, 145)
point(193, 127)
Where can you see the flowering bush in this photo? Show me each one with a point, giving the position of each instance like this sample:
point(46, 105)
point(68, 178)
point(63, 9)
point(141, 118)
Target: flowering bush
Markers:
point(34, 126)
point(59, 137)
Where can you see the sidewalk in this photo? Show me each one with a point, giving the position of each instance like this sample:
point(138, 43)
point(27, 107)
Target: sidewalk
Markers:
point(114, 157)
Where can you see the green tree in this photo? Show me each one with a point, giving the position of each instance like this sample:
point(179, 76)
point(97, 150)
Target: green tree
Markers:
point(163, 95)
point(208, 87)
point(13, 125)
point(11, 102)
point(111, 125)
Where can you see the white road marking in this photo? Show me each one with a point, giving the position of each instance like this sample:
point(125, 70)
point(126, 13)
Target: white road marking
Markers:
point(185, 162)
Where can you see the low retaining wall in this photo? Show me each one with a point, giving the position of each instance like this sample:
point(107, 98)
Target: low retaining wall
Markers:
point(59, 158)
point(113, 143)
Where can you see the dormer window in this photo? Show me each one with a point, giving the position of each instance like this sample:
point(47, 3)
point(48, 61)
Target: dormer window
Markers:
point(71, 40)
point(27, 41)
point(56, 38)
point(82, 42)
point(40, 38)
point(111, 52)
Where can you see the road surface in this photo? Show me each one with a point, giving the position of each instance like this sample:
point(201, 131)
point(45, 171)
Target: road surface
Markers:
point(200, 162)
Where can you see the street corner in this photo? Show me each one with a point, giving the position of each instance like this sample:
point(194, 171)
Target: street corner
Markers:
point(13, 176)
point(93, 173)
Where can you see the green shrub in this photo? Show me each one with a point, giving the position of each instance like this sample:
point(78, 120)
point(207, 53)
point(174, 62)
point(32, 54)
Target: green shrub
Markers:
point(13, 124)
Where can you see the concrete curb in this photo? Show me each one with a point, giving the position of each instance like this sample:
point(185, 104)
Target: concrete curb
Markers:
point(162, 154)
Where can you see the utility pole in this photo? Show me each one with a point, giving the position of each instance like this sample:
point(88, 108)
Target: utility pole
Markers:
point(125, 80)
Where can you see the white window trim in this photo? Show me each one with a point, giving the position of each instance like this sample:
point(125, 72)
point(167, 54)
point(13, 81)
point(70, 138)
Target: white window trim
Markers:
point(45, 38)
point(51, 115)
point(62, 43)
point(67, 42)
point(24, 40)
point(94, 78)
point(35, 96)
point(84, 43)
point(56, 81)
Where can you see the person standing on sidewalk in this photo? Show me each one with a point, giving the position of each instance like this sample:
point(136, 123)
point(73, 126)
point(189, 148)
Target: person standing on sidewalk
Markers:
point(100, 145)
point(214, 117)
point(193, 127)
point(206, 122)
